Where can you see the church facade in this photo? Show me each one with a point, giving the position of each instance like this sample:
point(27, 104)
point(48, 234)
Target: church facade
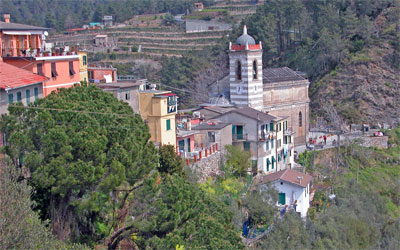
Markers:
point(277, 91)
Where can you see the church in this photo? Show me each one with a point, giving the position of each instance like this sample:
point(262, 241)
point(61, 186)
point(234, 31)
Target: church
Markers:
point(277, 91)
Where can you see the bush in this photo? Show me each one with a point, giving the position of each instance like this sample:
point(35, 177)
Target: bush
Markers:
point(134, 49)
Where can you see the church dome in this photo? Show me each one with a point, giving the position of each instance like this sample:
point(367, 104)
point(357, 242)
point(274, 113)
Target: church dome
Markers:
point(245, 38)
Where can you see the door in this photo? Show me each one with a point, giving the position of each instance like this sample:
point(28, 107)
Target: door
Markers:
point(181, 144)
point(282, 198)
point(239, 132)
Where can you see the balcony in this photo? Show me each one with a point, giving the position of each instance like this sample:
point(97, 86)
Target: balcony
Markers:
point(288, 132)
point(263, 153)
point(266, 136)
point(32, 53)
point(239, 137)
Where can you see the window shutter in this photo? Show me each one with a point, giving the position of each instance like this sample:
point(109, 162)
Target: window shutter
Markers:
point(71, 68)
point(53, 70)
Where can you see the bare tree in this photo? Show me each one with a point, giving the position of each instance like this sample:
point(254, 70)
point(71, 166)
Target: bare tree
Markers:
point(206, 82)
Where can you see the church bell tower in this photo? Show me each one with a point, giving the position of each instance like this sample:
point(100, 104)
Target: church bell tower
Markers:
point(245, 67)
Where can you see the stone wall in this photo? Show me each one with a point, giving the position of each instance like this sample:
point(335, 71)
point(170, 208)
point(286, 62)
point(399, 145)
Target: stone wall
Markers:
point(372, 141)
point(208, 166)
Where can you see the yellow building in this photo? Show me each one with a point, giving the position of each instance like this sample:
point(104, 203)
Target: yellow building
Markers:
point(83, 71)
point(158, 110)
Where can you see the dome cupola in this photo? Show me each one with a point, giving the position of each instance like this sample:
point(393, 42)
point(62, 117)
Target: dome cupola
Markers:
point(245, 38)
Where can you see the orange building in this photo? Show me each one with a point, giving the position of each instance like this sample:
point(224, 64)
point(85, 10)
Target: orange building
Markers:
point(102, 74)
point(24, 46)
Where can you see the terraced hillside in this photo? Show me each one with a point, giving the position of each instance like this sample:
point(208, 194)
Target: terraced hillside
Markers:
point(155, 41)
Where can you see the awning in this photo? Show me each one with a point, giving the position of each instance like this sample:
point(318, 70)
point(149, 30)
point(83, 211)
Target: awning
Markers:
point(273, 159)
point(22, 33)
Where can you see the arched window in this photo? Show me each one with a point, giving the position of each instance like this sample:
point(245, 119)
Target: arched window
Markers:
point(239, 70)
point(255, 71)
point(300, 120)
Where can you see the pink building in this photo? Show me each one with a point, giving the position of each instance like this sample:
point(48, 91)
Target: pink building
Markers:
point(102, 74)
point(24, 46)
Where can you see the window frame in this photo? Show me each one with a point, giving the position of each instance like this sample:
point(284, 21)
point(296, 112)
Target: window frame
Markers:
point(39, 68)
point(71, 68)
point(10, 98)
point(168, 124)
point(238, 70)
point(28, 96)
point(53, 70)
point(300, 119)
point(255, 70)
point(36, 93)
point(19, 96)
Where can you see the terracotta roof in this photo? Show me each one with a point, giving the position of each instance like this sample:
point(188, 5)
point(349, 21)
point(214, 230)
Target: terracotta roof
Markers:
point(14, 77)
point(271, 75)
point(18, 26)
point(289, 175)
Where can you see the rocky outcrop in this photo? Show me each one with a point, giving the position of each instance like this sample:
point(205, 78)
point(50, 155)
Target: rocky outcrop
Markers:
point(365, 87)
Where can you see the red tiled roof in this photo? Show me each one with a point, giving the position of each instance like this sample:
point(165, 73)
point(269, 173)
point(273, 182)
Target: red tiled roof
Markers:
point(13, 77)
point(290, 176)
point(243, 47)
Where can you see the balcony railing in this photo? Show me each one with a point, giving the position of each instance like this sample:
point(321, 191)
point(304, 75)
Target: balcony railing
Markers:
point(239, 137)
point(34, 52)
point(266, 136)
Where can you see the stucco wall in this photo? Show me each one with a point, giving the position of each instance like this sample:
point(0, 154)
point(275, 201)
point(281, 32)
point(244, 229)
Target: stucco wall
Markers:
point(4, 96)
point(294, 192)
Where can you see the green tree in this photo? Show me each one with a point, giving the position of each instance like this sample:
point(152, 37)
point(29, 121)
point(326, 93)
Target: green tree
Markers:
point(170, 162)
point(20, 226)
point(82, 147)
point(237, 161)
point(179, 213)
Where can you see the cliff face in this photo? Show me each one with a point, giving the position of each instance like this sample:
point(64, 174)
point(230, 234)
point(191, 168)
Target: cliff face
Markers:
point(365, 87)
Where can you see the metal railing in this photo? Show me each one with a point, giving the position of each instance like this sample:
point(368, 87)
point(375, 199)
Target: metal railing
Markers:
point(239, 137)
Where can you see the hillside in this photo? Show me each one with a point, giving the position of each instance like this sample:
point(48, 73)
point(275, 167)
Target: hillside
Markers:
point(365, 87)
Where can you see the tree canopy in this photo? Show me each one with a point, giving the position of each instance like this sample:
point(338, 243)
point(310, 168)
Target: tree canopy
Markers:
point(80, 145)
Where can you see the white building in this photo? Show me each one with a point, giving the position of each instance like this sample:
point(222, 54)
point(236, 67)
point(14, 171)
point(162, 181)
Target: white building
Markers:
point(293, 188)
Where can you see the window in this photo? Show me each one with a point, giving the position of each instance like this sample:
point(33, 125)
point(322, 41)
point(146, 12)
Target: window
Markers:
point(127, 96)
point(271, 126)
point(71, 68)
point(168, 124)
point(255, 71)
point(53, 70)
point(36, 90)
point(238, 70)
point(10, 98)
point(300, 120)
point(272, 143)
point(268, 163)
point(84, 60)
point(28, 96)
point(40, 69)
point(211, 136)
point(279, 143)
point(246, 145)
point(285, 140)
point(19, 96)
point(267, 145)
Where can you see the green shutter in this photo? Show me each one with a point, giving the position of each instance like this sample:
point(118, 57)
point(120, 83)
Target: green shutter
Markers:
point(10, 98)
point(28, 96)
point(271, 126)
point(246, 145)
point(168, 124)
point(19, 96)
point(233, 130)
point(282, 198)
point(36, 93)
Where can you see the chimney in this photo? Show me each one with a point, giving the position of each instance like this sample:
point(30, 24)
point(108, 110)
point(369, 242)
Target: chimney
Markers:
point(189, 124)
point(6, 18)
point(299, 178)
